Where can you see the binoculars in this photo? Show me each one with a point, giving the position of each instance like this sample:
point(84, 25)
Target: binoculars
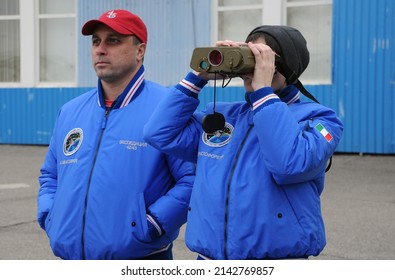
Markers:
point(229, 61)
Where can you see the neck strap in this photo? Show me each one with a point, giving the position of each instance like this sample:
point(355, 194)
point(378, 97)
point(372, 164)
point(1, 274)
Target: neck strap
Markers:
point(291, 78)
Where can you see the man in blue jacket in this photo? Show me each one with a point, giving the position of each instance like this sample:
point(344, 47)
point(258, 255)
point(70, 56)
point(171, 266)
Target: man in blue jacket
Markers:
point(258, 178)
point(105, 193)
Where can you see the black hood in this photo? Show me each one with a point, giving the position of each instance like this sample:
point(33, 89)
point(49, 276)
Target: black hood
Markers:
point(292, 45)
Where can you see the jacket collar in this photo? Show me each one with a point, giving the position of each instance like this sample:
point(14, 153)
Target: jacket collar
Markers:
point(131, 91)
point(289, 95)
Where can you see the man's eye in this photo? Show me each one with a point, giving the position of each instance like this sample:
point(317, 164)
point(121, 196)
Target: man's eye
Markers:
point(113, 40)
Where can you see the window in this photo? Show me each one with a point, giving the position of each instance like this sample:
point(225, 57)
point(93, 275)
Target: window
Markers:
point(234, 19)
point(314, 20)
point(57, 41)
point(38, 43)
point(9, 41)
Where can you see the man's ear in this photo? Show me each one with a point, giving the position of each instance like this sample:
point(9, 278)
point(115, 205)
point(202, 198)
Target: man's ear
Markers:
point(141, 51)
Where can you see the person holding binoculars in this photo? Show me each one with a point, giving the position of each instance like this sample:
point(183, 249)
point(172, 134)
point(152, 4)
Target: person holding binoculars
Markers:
point(260, 174)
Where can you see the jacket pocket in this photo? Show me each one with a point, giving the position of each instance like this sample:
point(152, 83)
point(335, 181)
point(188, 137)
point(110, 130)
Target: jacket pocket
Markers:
point(48, 220)
point(138, 220)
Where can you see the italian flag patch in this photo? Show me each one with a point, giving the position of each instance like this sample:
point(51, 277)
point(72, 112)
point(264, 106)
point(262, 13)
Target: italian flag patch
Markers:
point(324, 132)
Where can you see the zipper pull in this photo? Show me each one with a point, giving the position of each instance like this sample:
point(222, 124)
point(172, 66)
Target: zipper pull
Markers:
point(108, 110)
point(104, 122)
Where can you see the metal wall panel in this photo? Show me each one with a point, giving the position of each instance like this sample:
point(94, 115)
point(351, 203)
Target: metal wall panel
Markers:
point(363, 71)
point(27, 115)
point(175, 28)
point(363, 88)
point(362, 92)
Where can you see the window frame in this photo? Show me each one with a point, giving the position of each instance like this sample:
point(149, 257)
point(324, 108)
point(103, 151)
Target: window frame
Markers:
point(29, 19)
point(14, 17)
point(276, 15)
point(38, 65)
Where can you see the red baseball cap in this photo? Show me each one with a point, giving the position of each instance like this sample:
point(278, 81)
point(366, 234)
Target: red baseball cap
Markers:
point(121, 21)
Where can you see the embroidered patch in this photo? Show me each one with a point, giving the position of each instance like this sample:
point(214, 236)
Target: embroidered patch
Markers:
point(72, 142)
point(324, 132)
point(219, 138)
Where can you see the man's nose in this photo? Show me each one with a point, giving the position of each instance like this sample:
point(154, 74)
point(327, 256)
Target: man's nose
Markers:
point(100, 49)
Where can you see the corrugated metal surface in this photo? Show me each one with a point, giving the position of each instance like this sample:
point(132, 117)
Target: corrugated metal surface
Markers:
point(175, 28)
point(363, 71)
point(27, 115)
point(363, 89)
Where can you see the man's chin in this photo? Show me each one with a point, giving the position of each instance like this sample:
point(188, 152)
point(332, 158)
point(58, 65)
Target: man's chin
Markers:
point(103, 74)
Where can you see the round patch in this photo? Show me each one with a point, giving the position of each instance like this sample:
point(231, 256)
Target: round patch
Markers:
point(72, 142)
point(220, 137)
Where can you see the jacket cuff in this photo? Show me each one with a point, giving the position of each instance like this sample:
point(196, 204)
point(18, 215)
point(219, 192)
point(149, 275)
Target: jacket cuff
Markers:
point(154, 229)
point(191, 85)
point(263, 97)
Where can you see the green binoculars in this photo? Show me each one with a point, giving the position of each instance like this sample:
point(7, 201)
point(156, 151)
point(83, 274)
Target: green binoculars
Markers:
point(229, 61)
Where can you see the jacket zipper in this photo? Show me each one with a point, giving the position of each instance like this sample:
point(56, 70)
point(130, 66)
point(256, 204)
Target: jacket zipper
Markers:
point(104, 124)
point(228, 191)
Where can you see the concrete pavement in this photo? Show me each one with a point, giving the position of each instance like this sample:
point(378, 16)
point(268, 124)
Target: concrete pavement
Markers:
point(358, 205)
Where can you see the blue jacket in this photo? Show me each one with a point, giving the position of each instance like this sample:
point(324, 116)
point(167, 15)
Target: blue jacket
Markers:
point(258, 181)
point(100, 179)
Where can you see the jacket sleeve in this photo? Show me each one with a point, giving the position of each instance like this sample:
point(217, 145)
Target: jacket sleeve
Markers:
point(48, 185)
point(295, 150)
point(170, 211)
point(48, 181)
point(174, 127)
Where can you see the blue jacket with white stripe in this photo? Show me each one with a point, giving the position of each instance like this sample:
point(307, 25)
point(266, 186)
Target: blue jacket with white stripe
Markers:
point(258, 181)
point(100, 179)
